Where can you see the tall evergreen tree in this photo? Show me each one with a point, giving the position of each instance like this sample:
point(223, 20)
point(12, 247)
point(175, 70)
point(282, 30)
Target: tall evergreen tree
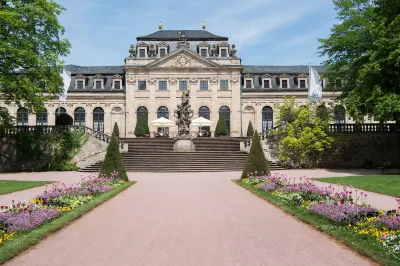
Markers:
point(116, 130)
point(146, 129)
point(256, 163)
point(221, 128)
point(113, 160)
point(139, 129)
point(250, 130)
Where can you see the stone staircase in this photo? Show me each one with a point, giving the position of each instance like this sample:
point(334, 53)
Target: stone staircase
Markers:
point(157, 155)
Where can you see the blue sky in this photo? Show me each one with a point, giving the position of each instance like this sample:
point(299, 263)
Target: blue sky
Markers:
point(266, 32)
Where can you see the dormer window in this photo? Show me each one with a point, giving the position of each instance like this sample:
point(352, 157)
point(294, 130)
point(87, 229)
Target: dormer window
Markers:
point(302, 81)
point(142, 49)
point(224, 52)
point(204, 52)
point(117, 82)
point(266, 81)
point(80, 81)
point(162, 49)
point(142, 52)
point(284, 81)
point(98, 82)
point(203, 49)
point(223, 49)
point(162, 52)
point(248, 81)
point(80, 84)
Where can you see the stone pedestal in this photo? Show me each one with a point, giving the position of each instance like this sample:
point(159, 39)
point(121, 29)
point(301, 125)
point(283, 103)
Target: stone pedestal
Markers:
point(184, 145)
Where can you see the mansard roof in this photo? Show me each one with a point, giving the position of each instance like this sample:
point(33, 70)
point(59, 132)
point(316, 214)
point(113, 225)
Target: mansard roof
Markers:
point(93, 70)
point(173, 35)
point(281, 69)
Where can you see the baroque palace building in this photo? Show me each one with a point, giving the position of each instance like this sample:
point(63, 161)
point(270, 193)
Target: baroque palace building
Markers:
point(163, 64)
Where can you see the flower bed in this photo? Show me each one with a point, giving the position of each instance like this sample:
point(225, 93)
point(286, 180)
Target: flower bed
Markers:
point(346, 208)
point(59, 198)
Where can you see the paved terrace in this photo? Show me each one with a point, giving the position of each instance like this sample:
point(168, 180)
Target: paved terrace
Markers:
point(184, 219)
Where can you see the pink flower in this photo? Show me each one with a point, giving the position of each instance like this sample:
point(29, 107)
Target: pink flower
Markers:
point(383, 236)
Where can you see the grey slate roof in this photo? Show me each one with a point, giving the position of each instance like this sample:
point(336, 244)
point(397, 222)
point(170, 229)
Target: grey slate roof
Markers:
point(173, 35)
point(89, 71)
point(275, 72)
point(280, 69)
point(94, 69)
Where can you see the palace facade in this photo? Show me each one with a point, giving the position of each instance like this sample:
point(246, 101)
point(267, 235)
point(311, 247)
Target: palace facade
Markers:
point(163, 64)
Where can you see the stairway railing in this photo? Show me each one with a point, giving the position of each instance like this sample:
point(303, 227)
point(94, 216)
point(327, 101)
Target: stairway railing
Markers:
point(47, 129)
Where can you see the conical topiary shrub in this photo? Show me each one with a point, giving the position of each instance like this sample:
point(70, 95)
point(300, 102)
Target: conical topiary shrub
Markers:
point(250, 130)
point(139, 129)
point(113, 160)
point(221, 128)
point(256, 163)
point(116, 130)
point(146, 129)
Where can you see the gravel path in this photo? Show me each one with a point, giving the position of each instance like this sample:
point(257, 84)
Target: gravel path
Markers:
point(187, 219)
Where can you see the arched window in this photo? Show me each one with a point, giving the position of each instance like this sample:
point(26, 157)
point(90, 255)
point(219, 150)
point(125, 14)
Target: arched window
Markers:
point(267, 118)
point(339, 114)
point(98, 119)
point(322, 112)
point(62, 111)
point(162, 112)
point(41, 118)
point(204, 112)
point(22, 117)
point(79, 116)
point(226, 114)
point(143, 113)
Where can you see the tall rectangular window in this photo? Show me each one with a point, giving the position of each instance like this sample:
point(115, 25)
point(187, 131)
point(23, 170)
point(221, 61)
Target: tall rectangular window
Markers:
point(248, 84)
point(284, 84)
point(183, 85)
point(223, 53)
point(142, 52)
point(162, 52)
point(204, 85)
point(203, 52)
point(266, 84)
point(98, 84)
point(141, 85)
point(117, 84)
point(162, 85)
point(223, 84)
point(80, 84)
point(302, 83)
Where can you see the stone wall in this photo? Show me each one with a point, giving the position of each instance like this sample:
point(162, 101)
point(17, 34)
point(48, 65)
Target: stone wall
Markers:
point(362, 150)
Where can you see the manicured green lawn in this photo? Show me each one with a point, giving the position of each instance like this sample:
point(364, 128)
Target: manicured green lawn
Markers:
point(383, 184)
point(9, 186)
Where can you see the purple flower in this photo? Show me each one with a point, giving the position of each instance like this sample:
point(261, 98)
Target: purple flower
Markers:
point(26, 221)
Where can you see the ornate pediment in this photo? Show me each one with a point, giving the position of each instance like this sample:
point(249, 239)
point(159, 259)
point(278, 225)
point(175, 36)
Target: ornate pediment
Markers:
point(223, 44)
point(162, 44)
point(302, 76)
point(142, 44)
point(284, 76)
point(266, 76)
point(117, 76)
point(183, 58)
point(248, 76)
point(80, 76)
point(203, 44)
point(98, 76)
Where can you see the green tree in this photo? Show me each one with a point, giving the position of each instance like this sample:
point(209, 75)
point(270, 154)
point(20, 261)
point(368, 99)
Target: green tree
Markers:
point(250, 130)
point(256, 163)
point(146, 129)
point(364, 57)
point(31, 44)
point(302, 139)
point(116, 130)
point(113, 160)
point(221, 129)
point(140, 127)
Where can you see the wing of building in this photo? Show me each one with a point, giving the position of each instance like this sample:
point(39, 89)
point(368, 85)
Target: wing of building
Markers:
point(159, 67)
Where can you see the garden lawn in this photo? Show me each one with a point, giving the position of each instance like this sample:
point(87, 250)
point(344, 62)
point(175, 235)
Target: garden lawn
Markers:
point(383, 184)
point(9, 186)
point(362, 245)
point(24, 240)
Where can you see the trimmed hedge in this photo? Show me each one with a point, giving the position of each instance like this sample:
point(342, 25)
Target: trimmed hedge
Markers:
point(113, 160)
point(256, 163)
point(221, 128)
